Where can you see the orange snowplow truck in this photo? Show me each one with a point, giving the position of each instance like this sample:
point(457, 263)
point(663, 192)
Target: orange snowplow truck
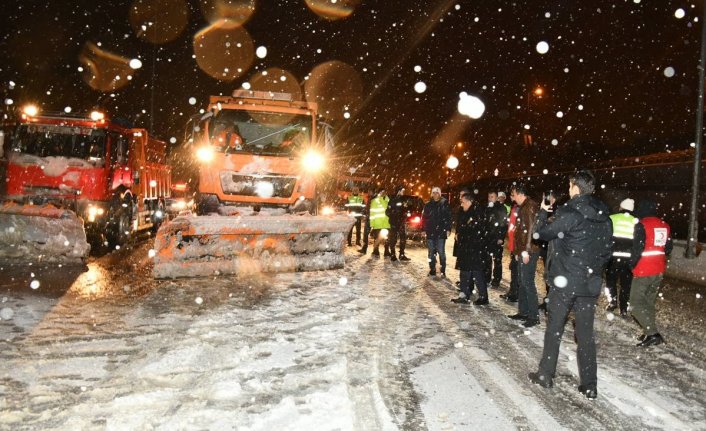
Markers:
point(113, 178)
point(260, 156)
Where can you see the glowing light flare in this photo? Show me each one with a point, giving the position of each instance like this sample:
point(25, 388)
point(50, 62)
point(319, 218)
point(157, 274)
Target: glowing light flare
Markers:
point(228, 13)
point(336, 87)
point(313, 161)
point(542, 47)
point(223, 53)
point(103, 70)
point(470, 106)
point(205, 153)
point(333, 10)
point(452, 162)
point(30, 110)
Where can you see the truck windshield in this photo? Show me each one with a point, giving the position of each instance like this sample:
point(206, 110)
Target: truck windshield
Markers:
point(255, 132)
point(60, 141)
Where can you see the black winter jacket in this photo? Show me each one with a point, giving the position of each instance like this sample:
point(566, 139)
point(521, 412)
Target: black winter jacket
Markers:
point(396, 211)
point(497, 222)
point(580, 235)
point(436, 219)
point(471, 239)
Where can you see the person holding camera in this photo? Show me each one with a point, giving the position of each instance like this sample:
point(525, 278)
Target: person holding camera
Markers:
point(580, 236)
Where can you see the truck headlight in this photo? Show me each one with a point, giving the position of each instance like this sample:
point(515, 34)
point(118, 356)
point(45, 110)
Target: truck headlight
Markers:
point(204, 154)
point(94, 212)
point(313, 161)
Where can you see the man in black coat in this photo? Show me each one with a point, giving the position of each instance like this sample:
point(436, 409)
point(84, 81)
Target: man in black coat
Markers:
point(471, 250)
point(436, 219)
point(497, 229)
point(397, 214)
point(580, 235)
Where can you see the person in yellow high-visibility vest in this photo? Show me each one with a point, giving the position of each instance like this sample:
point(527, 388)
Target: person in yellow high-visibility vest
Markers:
point(379, 222)
point(356, 208)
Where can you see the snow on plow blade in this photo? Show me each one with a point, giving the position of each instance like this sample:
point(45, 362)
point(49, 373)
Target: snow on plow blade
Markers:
point(190, 246)
point(41, 233)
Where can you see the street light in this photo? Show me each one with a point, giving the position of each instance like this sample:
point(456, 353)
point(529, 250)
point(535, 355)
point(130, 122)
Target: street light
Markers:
point(451, 164)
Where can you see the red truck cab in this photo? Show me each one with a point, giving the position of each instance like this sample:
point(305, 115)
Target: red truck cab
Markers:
point(114, 177)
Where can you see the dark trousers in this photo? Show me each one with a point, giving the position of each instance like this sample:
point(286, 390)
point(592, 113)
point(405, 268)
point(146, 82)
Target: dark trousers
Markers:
point(514, 277)
point(561, 302)
point(395, 233)
point(436, 246)
point(494, 264)
point(366, 234)
point(468, 278)
point(377, 240)
point(527, 288)
point(356, 226)
point(619, 270)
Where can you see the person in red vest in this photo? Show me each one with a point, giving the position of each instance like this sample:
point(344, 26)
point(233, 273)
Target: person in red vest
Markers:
point(652, 244)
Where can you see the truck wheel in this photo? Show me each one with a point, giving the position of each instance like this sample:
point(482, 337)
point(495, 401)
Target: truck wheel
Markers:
point(119, 226)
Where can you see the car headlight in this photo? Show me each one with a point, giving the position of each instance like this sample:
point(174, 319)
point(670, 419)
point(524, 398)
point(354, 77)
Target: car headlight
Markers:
point(178, 205)
point(313, 161)
point(327, 210)
point(204, 154)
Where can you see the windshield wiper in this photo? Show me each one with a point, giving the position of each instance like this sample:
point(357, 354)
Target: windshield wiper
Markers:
point(286, 129)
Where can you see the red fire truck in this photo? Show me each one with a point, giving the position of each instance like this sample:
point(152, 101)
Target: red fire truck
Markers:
point(112, 176)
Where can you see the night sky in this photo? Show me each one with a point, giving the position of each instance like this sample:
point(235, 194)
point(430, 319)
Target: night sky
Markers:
point(605, 71)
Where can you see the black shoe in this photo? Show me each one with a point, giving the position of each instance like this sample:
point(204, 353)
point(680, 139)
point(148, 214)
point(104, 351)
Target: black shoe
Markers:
point(624, 313)
point(530, 323)
point(517, 316)
point(376, 253)
point(393, 258)
point(612, 306)
point(363, 250)
point(543, 306)
point(482, 300)
point(589, 392)
point(460, 300)
point(495, 284)
point(508, 298)
point(540, 380)
point(641, 337)
point(387, 254)
point(651, 340)
point(358, 244)
point(432, 273)
point(442, 274)
point(404, 258)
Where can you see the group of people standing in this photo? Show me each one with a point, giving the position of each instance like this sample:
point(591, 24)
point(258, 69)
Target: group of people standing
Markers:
point(384, 220)
point(578, 241)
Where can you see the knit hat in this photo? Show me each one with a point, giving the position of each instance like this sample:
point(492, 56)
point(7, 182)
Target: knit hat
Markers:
point(628, 204)
point(436, 190)
point(646, 208)
point(502, 194)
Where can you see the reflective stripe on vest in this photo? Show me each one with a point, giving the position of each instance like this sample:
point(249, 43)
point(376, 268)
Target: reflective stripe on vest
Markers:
point(623, 225)
point(621, 254)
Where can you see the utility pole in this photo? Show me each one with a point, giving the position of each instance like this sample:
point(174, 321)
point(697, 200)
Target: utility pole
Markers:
point(693, 236)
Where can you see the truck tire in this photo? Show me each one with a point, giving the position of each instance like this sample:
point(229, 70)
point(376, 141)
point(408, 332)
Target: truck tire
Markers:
point(119, 224)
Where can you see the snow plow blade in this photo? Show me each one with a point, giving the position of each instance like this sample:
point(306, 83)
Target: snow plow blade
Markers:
point(193, 246)
point(41, 233)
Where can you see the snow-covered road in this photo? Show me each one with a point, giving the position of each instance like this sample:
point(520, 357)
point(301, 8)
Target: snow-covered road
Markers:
point(375, 346)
